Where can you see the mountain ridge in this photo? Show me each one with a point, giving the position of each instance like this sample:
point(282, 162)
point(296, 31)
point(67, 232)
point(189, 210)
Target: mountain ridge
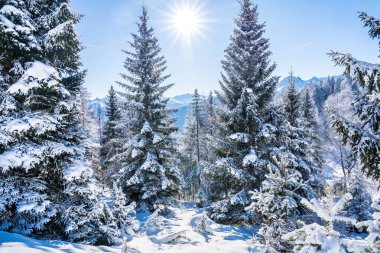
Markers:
point(181, 102)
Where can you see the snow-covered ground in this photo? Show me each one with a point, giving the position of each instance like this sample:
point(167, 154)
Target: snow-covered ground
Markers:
point(14, 243)
point(184, 230)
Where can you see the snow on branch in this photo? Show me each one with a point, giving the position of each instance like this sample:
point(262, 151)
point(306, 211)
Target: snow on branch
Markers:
point(372, 23)
point(359, 70)
point(35, 76)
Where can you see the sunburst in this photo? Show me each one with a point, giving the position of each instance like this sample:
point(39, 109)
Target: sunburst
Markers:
point(186, 21)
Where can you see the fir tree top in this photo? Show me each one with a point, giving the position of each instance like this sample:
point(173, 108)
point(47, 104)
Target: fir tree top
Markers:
point(112, 113)
point(291, 101)
point(247, 63)
point(146, 75)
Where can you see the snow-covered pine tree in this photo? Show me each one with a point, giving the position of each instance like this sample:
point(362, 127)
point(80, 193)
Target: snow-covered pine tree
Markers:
point(278, 201)
point(277, 198)
point(55, 24)
point(211, 132)
point(311, 126)
point(210, 114)
point(111, 135)
point(88, 121)
point(186, 157)
point(47, 187)
point(364, 137)
point(359, 206)
point(83, 109)
point(315, 237)
point(291, 102)
point(122, 213)
point(149, 174)
point(247, 89)
point(308, 111)
point(199, 121)
point(17, 42)
point(194, 149)
point(113, 116)
point(297, 137)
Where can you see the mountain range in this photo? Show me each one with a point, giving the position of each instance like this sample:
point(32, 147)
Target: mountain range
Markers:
point(181, 102)
point(300, 83)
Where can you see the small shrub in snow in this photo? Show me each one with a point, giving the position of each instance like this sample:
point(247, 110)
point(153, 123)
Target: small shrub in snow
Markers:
point(202, 224)
point(122, 213)
point(315, 238)
point(371, 243)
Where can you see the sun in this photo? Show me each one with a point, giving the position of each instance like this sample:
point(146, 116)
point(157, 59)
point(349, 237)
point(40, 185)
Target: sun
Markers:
point(186, 21)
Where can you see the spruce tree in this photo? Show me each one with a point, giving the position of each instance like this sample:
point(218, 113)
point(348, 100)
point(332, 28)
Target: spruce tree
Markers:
point(363, 137)
point(210, 115)
point(55, 23)
point(247, 90)
point(110, 143)
point(359, 206)
point(310, 125)
point(113, 116)
point(122, 213)
point(148, 173)
point(210, 134)
point(17, 41)
point(294, 173)
point(321, 238)
point(278, 201)
point(194, 148)
point(298, 137)
point(308, 111)
point(47, 187)
point(291, 102)
point(199, 122)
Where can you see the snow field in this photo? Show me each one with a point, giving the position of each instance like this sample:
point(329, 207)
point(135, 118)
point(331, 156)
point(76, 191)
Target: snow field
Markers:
point(184, 230)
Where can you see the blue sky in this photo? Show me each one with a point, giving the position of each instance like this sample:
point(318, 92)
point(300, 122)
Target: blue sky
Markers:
point(301, 32)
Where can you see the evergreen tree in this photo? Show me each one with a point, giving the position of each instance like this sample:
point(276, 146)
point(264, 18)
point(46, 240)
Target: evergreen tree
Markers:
point(317, 238)
point(364, 137)
point(360, 205)
point(278, 202)
point(247, 90)
point(308, 111)
point(113, 116)
point(311, 127)
point(298, 137)
point(83, 109)
point(122, 213)
point(210, 116)
point(194, 148)
point(291, 102)
point(199, 122)
point(148, 174)
point(55, 24)
point(111, 135)
point(47, 187)
point(210, 134)
point(17, 41)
